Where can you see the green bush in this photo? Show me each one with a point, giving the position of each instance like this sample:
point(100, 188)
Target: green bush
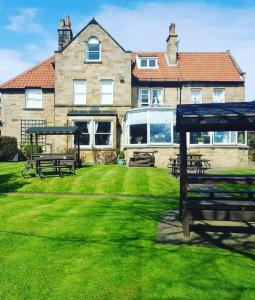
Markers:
point(121, 155)
point(8, 147)
point(26, 150)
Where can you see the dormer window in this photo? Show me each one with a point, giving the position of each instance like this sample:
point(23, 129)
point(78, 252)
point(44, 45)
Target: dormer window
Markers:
point(93, 50)
point(147, 62)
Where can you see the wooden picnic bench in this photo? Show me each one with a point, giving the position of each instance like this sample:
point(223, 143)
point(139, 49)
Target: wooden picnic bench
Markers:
point(142, 159)
point(198, 166)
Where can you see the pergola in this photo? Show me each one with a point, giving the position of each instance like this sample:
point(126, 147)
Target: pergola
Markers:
point(56, 130)
point(213, 117)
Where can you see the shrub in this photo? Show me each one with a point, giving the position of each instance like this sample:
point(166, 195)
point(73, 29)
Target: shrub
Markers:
point(8, 147)
point(121, 155)
point(26, 149)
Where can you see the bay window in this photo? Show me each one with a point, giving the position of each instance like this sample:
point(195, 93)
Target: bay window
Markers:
point(200, 138)
point(85, 133)
point(225, 137)
point(33, 98)
point(138, 134)
point(160, 133)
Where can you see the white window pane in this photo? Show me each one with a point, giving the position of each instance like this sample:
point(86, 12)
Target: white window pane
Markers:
point(225, 137)
point(33, 98)
point(106, 87)
point(196, 96)
point(106, 99)
point(79, 99)
point(219, 95)
point(143, 62)
point(79, 86)
point(157, 96)
point(160, 133)
point(152, 63)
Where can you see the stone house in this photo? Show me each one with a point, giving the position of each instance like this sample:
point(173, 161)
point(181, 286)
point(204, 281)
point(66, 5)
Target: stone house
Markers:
point(123, 99)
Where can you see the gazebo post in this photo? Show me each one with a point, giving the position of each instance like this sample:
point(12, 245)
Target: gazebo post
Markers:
point(36, 143)
point(78, 143)
point(184, 214)
point(31, 145)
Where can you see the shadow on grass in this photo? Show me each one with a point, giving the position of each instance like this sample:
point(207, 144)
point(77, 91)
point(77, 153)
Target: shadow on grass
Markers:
point(11, 182)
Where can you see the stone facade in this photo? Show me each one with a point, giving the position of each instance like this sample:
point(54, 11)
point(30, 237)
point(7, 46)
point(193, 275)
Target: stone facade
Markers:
point(115, 64)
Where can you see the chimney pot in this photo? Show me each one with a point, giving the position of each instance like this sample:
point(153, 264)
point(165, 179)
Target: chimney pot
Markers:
point(62, 23)
point(68, 23)
point(172, 28)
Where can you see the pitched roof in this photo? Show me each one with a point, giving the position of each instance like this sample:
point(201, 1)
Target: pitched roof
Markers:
point(191, 66)
point(39, 76)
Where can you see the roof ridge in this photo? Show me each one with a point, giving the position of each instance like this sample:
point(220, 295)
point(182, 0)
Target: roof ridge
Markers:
point(26, 71)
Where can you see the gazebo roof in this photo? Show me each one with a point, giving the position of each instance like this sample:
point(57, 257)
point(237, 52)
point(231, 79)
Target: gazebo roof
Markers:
point(56, 130)
point(216, 117)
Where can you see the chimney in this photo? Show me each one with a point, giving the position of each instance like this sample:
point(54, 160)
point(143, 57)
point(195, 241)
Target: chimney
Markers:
point(172, 45)
point(65, 34)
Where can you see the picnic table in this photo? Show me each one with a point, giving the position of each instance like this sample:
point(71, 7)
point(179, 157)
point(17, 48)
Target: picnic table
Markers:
point(54, 163)
point(194, 164)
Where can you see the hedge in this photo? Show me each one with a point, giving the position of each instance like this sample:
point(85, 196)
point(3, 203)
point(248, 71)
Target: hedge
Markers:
point(8, 147)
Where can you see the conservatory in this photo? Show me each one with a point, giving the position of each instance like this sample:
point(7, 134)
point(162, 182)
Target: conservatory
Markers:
point(155, 126)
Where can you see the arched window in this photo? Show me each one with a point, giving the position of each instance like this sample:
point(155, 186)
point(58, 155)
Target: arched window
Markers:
point(93, 52)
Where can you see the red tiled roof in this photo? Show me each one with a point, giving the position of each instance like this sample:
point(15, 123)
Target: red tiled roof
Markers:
point(196, 66)
point(192, 66)
point(41, 75)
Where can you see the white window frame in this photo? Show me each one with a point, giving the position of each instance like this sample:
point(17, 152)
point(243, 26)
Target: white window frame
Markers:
point(80, 94)
point(101, 93)
point(224, 95)
point(27, 98)
point(150, 93)
point(92, 127)
point(196, 89)
point(139, 59)
point(87, 50)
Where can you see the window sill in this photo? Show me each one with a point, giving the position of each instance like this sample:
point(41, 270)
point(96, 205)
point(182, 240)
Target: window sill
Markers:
point(92, 62)
point(34, 109)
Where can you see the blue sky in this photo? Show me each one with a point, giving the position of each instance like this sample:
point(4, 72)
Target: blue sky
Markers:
point(29, 28)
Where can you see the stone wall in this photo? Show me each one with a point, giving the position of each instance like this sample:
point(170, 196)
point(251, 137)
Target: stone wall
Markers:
point(233, 92)
point(13, 111)
point(219, 156)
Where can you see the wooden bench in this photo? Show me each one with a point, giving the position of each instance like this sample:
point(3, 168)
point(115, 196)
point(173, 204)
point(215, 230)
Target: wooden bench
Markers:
point(142, 159)
point(58, 169)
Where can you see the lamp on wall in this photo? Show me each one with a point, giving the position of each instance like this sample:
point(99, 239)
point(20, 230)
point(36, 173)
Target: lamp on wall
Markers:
point(121, 78)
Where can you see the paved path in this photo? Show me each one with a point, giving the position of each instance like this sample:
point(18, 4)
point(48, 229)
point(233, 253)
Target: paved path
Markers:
point(206, 233)
point(91, 195)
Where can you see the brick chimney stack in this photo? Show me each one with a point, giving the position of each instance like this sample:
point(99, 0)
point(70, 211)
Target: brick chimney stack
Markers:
point(65, 34)
point(172, 45)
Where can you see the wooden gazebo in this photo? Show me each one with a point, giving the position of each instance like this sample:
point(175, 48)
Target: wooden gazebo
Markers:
point(214, 205)
point(56, 130)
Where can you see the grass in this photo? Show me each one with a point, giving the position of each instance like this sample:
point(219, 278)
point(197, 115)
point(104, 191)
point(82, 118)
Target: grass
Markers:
point(66, 247)
point(110, 179)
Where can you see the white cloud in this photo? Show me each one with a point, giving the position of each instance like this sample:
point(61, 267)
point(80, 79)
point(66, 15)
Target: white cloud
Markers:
point(12, 62)
point(201, 27)
point(25, 21)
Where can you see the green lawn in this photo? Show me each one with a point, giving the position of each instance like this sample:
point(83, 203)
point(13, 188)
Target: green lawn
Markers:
point(67, 247)
point(111, 179)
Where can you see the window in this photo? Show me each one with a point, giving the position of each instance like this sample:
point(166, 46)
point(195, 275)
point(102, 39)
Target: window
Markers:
point(144, 97)
point(106, 91)
point(200, 138)
point(241, 138)
point(93, 50)
point(103, 134)
point(33, 98)
point(138, 134)
point(160, 133)
point(79, 87)
point(147, 62)
point(150, 97)
point(219, 95)
point(156, 95)
point(225, 137)
point(85, 133)
point(195, 96)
